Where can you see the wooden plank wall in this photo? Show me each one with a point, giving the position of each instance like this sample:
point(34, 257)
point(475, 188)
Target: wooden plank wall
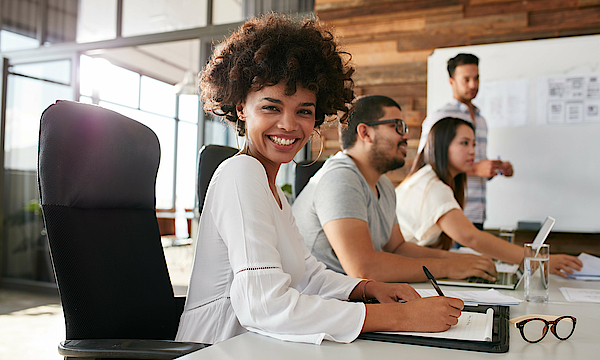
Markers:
point(390, 41)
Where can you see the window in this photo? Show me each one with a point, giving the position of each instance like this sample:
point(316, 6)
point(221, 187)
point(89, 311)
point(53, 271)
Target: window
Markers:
point(227, 11)
point(10, 41)
point(156, 16)
point(96, 20)
point(32, 88)
point(154, 104)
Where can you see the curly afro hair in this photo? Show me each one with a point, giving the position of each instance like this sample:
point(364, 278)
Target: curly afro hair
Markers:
point(274, 48)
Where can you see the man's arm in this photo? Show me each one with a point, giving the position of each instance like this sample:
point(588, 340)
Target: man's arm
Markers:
point(486, 168)
point(351, 241)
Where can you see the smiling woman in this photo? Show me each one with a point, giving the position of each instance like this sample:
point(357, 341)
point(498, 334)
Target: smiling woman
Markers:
point(277, 126)
point(277, 79)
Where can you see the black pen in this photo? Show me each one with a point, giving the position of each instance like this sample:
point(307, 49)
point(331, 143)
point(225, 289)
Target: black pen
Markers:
point(433, 282)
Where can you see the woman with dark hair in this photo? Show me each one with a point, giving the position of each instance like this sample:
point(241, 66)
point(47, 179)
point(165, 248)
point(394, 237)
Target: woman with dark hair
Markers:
point(277, 80)
point(431, 199)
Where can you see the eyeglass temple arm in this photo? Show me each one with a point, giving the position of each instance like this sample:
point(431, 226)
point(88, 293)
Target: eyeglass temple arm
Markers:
point(514, 321)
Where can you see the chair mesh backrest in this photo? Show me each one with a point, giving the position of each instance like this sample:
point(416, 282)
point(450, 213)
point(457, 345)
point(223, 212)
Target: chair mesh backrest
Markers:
point(97, 173)
point(209, 159)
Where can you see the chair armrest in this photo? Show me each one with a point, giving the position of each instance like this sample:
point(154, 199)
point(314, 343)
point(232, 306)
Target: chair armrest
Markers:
point(127, 348)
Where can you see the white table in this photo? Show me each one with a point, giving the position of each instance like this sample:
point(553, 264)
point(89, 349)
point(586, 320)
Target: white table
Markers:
point(583, 344)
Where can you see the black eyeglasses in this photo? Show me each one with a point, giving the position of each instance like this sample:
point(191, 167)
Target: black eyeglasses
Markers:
point(535, 329)
point(401, 127)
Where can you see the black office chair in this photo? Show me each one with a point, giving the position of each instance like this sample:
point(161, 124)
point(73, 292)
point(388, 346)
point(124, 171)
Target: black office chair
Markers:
point(97, 173)
point(209, 159)
point(304, 173)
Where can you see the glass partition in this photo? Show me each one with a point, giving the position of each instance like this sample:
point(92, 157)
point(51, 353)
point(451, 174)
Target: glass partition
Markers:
point(227, 11)
point(58, 71)
point(155, 16)
point(25, 248)
point(96, 20)
point(187, 147)
point(10, 41)
point(154, 103)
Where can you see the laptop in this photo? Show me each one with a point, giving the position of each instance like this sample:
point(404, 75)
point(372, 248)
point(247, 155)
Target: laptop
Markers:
point(509, 275)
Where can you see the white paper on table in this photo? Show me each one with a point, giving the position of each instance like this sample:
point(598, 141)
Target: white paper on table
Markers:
point(471, 326)
point(580, 295)
point(591, 267)
point(475, 297)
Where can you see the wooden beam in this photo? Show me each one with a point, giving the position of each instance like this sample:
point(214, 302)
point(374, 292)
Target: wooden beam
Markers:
point(343, 10)
point(385, 75)
point(478, 24)
point(413, 117)
point(362, 57)
point(415, 89)
point(395, 15)
point(566, 19)
point(386, 27)
point(482, 2)
point(582, 3)
point(518, 6)
point(428, 41)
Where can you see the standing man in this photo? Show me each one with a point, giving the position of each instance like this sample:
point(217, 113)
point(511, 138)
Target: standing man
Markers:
point(464, 79)
point(347, 211)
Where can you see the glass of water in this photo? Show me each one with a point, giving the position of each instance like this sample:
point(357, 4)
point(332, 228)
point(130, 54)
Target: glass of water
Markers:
point(537, 271)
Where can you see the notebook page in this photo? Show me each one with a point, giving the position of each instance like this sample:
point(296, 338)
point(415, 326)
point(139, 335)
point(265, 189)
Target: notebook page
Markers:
point(471, 326)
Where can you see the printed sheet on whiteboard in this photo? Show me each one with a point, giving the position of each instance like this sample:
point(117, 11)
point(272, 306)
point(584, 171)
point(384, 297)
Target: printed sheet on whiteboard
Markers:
point(569, 99)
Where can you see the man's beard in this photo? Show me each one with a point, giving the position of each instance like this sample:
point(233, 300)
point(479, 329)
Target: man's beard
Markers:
point(381, 159)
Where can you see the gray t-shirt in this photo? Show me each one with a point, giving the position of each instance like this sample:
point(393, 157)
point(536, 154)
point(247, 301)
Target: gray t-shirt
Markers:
point(339, 191)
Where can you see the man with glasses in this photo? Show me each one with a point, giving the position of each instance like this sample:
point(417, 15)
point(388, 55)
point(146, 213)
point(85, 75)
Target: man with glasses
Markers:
point(463, 70)
point(347, 211)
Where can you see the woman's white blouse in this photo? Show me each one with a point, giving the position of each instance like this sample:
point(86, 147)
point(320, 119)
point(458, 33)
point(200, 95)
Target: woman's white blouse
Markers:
point(253, 271)
point(421, 200)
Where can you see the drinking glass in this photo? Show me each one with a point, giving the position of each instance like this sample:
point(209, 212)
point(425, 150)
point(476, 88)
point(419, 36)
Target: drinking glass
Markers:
point(537, 269)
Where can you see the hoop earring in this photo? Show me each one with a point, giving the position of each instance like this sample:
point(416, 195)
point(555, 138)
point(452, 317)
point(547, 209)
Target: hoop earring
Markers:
point(237, 136)
point(237, 132)
point(320, 152)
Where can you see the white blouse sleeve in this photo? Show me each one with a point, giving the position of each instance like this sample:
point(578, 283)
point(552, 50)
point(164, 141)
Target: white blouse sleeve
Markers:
point(437, 200)
point(261, 295)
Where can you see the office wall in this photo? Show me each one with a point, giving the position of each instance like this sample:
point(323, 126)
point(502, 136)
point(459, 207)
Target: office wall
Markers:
point(391, 40)
point(556, 162)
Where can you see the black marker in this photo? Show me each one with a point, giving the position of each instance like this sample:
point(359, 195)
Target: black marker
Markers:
point(433, 282)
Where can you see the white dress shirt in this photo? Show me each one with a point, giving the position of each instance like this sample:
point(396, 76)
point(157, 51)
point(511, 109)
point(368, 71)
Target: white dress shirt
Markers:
point(252, 270)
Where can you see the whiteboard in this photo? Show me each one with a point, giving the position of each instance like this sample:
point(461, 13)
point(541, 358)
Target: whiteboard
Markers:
point(557, 166)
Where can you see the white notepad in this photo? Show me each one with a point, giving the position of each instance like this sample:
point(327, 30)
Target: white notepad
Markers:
point(471, 326)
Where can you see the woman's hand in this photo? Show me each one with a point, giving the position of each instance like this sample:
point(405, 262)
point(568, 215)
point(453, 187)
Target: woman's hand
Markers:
point(431, 314)
point(566, 263)
point(390, 292)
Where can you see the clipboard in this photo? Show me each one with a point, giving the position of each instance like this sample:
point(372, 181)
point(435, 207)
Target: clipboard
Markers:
point(499, 343)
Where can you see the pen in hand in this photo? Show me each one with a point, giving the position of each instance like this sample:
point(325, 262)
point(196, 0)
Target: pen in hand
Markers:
point(433, 282)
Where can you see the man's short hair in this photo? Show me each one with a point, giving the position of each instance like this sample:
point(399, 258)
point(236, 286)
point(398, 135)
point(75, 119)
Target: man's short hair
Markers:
point(365, 109)
point(461, 59)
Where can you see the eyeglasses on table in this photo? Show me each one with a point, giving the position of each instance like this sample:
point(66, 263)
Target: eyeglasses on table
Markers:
point(534, 328)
